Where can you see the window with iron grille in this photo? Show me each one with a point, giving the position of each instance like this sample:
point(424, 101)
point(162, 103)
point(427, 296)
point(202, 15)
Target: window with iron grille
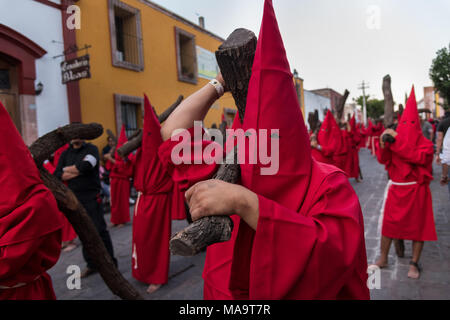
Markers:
point(126, 36)
point(186, 56)
point(130, 117)
point(129, 112)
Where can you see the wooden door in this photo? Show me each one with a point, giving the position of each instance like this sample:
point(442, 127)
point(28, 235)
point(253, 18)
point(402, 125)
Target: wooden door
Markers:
point(9, 91)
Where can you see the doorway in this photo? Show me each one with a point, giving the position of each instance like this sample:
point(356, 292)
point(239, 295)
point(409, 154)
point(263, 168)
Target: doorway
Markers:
point(9, 89)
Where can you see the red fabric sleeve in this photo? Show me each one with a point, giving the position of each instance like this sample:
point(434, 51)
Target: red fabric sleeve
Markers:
point(24, 261)
point(421, 154)
point(384, 155)
point(186, 175)
point(327, 152)
point(318, 256)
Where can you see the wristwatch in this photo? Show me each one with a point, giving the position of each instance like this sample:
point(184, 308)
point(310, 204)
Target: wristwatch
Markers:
point(218, 86)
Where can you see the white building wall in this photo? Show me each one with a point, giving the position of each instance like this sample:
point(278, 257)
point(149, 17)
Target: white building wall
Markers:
point(42, 24)
point(316, 102)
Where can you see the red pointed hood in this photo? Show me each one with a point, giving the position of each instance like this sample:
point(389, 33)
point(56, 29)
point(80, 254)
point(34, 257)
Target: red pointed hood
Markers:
point(353, 123)
point(370, 127)
point(410, 137)
point(150, 176)
point(122, 140)
point(409, 125)
point(329, 136)
point(410, 121)
point(151, 139)
point(27, 208)
point(272, 104)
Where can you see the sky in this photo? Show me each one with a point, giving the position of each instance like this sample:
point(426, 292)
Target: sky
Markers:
point(339, 43)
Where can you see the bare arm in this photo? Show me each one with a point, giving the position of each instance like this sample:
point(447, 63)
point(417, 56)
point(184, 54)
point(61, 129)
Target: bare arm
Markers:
point(194, 108)
point(439, 140)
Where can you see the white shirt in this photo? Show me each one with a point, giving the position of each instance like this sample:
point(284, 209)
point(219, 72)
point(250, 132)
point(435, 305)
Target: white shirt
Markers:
point(445, 155)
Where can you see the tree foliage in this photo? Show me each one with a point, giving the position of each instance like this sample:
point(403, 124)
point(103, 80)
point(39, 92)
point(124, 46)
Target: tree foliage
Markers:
point(375, 107)
point(440, 73)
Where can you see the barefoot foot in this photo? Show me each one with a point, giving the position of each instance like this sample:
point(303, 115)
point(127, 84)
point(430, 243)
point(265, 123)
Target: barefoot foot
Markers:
point(152, 288)
point(414, 270)
point(69, 247)
point(380, 263)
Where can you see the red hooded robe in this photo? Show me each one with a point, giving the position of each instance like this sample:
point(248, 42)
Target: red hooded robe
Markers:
point(309, 242)
point(152, 213)
point(369, 132)
point(178, 203)
point(30, 224)
point(363, 133)
point(408, 208)
point(341, 155)
point(121, 173)
point(353, 140)
point(328, 139)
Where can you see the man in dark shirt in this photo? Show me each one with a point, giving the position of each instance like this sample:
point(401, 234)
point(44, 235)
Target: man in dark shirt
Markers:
point(79, 167)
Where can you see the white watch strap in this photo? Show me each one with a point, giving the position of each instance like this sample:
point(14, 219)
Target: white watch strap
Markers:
point(218, 86)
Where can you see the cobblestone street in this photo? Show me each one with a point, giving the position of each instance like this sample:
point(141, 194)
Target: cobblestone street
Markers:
point(185, 280)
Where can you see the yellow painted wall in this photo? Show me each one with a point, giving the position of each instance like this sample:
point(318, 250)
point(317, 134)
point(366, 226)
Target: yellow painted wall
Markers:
point(159, 80)
point(302, 98)
point(301, 93)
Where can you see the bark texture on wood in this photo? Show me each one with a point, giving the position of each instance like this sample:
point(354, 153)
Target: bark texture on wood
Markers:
point(135, 134)
point(111, 135)
point(235, 58)
point(42, 148)
point(69, 205)
point(388, 102)
point(209, 230)
point(130, 145)
point(135, 142)
point(341, 106)
point(163, 116)
point(313, 120)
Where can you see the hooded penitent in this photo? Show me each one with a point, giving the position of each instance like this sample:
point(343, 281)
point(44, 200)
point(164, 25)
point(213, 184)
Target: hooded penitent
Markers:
point(353, 141)
point(272, 104)
point(30, 224)
point(369, 132)
point(340, 158)
point(298, 227)
point(120, 176)
point(328, 139)
point(309, 241)
point(152, 214)
point(408, 210)
point(363, 133)
point(355, 131)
